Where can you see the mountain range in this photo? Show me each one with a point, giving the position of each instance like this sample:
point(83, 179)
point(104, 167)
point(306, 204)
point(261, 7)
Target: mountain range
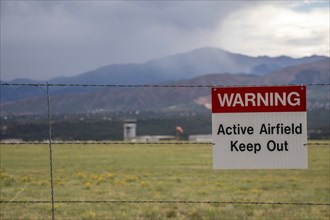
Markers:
point(205, 66)
point(168, 69)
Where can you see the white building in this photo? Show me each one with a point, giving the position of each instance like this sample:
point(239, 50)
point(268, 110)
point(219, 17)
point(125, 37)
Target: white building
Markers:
point(201, 137)
point(154, 138)
point(129, 130)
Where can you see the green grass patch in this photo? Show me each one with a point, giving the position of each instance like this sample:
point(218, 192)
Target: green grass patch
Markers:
point(155, 172)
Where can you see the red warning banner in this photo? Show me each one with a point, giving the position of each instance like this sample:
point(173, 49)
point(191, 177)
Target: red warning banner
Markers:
point(259, 99)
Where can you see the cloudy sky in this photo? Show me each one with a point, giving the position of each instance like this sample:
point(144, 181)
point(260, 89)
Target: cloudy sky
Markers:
point(45, 39)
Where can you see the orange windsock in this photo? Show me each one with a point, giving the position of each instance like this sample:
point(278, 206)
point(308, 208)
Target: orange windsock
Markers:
point(179, 129)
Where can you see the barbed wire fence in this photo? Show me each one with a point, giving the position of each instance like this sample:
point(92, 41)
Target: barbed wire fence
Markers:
point(50, 143)
point(151, 85)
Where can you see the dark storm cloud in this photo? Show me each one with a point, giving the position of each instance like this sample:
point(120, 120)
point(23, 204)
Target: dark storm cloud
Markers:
point(44, 39)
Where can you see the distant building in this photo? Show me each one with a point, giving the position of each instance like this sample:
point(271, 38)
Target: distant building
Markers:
point(201, 137)
point(11, 141)
point(154, 138)
point(129, 130)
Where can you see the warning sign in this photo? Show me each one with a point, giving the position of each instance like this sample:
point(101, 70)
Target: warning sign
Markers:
point(259, 127)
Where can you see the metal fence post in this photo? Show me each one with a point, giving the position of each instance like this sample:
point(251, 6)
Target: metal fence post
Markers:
point(50, 152)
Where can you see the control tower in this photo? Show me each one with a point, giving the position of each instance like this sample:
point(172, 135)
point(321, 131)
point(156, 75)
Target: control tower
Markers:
point(129, 129)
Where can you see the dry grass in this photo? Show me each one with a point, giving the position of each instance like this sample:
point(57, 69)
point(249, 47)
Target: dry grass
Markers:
point(146, 172)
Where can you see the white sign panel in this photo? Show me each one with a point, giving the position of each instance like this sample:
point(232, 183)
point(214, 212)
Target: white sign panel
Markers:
point(259, 127)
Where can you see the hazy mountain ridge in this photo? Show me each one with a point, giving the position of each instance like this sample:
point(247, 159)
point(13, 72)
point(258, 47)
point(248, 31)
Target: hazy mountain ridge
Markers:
point(171, 68)
point(176, 99)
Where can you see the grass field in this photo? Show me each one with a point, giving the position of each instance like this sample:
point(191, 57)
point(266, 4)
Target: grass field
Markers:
point(155, 172)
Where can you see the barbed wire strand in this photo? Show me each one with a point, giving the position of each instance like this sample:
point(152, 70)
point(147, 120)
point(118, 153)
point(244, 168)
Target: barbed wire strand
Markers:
point(135, 143)
point(151, 85)
point(166, 202)
point(110, 143)
point(50, 153)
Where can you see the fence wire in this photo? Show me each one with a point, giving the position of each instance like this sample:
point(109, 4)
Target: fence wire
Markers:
point(151, 85)
point(165, 202)
point(136, 143)
point(52, 201)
